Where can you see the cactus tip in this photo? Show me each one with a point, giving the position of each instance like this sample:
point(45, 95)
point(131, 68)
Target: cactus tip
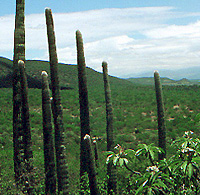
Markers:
point(21, 63)
point(104, 63)
point(86, 137)
point(44, 73)
point(78, 33)
point(47, 8)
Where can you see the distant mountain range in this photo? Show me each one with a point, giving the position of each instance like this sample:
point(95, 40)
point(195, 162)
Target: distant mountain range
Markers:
point(188, 73)
point(164, 81)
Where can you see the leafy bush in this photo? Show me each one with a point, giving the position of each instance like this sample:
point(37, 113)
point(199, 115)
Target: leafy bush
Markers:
point(178, 174)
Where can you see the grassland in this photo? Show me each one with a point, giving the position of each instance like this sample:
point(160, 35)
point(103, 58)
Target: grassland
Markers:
point(134, 119)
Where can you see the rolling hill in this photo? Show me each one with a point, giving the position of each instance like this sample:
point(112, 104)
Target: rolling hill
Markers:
point(67, 75)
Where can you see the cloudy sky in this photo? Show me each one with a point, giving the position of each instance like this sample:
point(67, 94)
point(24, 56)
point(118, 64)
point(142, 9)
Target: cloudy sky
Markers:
point(133, 36)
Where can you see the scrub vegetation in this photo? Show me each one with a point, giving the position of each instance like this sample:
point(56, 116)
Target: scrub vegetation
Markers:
point(109, 135)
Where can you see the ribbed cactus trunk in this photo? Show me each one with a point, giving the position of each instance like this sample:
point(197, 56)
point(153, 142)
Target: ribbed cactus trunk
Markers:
point(19, 54)
point(21, 125)
point(91, 167)
point(83, 101)
point(62, 167)
point(111, 170)
point(28, 154)
point(49, 160)
point(28, 179)
point(161, 120)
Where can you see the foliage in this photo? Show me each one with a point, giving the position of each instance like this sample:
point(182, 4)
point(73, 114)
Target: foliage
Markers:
point(177, 175)
point(129, 101)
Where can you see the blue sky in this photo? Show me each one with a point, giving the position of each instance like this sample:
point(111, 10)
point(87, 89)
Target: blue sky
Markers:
point(133, 36)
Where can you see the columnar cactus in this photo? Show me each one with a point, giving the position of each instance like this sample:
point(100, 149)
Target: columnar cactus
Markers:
point(161, 121)
point(91, 167)
point(62, 166)
point(49, 161)
point(19, 54)
point(83, 101)
point(21, 125)
point(112, 180)
point(25, 117)
point(26, 137)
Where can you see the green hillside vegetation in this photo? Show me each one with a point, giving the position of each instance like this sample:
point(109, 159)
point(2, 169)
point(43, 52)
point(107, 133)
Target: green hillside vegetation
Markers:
point(135, 120)
point(48, 136)
point(67, 73)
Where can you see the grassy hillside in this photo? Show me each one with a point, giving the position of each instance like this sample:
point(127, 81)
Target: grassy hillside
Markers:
point(67, 73)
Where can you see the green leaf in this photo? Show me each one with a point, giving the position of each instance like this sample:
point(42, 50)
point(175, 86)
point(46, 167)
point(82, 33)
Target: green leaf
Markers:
point(131, 153)
point(139, 190)
point(109, 158)
point(109, 152)
point(184, 166)
point(196, 160)
point(152, 154)
point(190, 170)
point(121, 161)
point(115, 160)
point(138, 152)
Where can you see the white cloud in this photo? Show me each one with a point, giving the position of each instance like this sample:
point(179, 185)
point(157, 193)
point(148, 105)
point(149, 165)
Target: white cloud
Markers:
point(131, 40)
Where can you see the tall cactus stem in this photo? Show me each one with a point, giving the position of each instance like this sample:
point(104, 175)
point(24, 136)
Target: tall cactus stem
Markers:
point(62, 167)
point(91, 167)
point(19, 53)
point(111, 170)
point(28, 154)
point(160, 112)
point(27, 145)
point(83, 101)
point(49, 161)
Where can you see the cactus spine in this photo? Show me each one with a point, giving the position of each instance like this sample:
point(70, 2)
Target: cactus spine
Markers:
point(49, 161)
point(112, 182)
point(83, 101)
point(91, 167)
point(161, 121)
point(62, 166)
